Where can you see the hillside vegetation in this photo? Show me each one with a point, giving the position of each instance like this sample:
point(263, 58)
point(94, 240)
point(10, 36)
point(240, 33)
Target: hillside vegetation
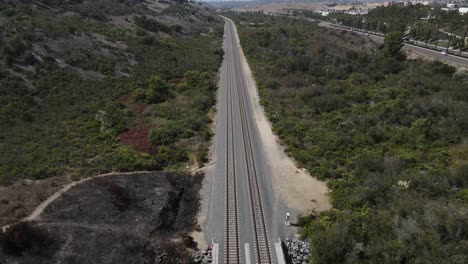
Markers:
point(89, 86)
point(389, 135)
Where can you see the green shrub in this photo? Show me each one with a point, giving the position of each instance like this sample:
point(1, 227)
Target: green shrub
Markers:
point(176, 28)
point(29, 58)
point(112, 119)
point(157, 91)
point(139, 95)
point(166, 134)
point(151, 24)
point(393, 42)
point(463, 195)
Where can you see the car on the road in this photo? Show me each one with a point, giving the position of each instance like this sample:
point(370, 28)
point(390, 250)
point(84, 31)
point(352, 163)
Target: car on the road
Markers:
point(367, 34)
point(444, 53)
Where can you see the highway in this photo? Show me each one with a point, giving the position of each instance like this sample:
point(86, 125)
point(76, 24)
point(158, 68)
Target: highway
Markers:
point(241, 207)
point(449, 59)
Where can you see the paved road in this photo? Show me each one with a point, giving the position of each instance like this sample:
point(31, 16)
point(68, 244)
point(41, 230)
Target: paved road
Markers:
point(450, 59)
point(242, 201)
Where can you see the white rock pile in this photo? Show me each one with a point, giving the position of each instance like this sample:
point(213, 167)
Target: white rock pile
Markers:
point(202, 256)
point(298, 250)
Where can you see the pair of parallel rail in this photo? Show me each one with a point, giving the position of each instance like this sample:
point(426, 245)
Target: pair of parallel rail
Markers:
point(232, 253)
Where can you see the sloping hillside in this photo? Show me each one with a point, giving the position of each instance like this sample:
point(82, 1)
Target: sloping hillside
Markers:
point(89, 86)
point(126, 218)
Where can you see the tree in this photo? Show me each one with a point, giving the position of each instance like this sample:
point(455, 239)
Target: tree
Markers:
point(158, 90)
point(454, 21)
point(393, 43)
point(463, 39)
point(112, 119)
point(139, 95)
point(438, 16)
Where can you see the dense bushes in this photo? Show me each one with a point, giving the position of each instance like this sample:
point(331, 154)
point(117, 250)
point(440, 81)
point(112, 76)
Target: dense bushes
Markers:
point(183, 118)
point(156, 92)
point(386, 133)
point(393, 43)
point(151, 24)
point(165, 134)
point(113, 119)
point(62, 76)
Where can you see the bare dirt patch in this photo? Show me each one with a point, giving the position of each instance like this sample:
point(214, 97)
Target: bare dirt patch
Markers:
point(132, 218)
point(138, 138)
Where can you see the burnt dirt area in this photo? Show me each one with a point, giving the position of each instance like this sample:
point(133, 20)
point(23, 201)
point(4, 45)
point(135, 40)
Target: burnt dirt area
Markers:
point(137, 218)
point(20, 198)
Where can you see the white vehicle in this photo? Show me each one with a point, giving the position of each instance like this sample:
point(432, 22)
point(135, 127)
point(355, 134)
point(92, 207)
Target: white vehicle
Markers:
point(443, 52)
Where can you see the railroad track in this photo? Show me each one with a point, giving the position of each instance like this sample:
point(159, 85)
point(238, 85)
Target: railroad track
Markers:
point(231, 241)
point(261, 246)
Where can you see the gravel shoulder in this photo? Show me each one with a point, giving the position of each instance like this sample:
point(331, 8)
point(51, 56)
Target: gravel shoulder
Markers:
point(297, 188)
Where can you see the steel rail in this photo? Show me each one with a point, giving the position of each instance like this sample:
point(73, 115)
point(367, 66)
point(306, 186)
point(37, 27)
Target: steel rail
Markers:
point(262, 251)
point(232, 243)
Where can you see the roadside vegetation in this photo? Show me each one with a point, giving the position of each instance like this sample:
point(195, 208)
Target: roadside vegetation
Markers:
point(389, 135)
point(428, 24)
point(88, 87)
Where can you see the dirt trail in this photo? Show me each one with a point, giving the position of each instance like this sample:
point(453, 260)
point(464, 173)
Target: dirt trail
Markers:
point(41, 207)
point(298, 189)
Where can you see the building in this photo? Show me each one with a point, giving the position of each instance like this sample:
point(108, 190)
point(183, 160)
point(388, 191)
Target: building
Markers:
point(324, 13)
point(395, 3)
